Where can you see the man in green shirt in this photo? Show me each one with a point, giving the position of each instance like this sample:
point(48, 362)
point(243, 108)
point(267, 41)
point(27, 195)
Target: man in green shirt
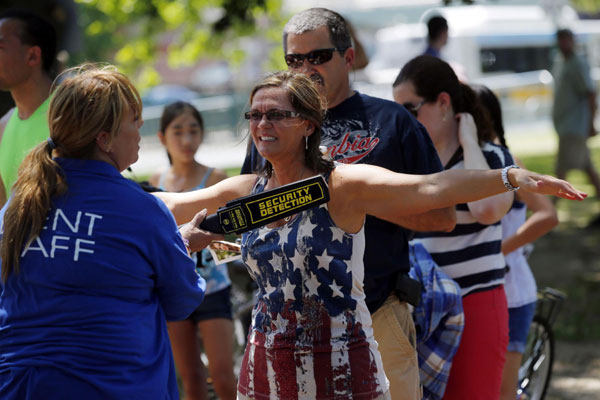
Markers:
point(574, 110)
point(27, 54)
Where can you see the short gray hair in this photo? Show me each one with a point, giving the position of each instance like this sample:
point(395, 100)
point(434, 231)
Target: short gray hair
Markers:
point(313, 19)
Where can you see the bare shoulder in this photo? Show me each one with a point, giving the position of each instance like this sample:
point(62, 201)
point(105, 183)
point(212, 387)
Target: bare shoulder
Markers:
point(4, 121)
point(348, 173)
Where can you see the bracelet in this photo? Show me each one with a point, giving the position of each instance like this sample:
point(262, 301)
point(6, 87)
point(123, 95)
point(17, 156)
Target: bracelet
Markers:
point(505, 180)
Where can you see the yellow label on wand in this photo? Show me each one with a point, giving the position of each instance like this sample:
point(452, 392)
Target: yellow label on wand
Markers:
point(286, 202)
point(249, 212)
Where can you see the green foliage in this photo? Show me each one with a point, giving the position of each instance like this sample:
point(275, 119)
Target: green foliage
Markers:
point(133, 34)
point(587, 6)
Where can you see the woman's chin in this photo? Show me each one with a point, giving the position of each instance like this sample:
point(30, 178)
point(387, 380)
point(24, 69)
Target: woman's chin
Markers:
point(266, 150)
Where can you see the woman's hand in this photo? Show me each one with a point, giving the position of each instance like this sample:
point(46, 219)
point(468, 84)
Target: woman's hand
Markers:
point(467, 130)
point(196, 238)
point(544, 184)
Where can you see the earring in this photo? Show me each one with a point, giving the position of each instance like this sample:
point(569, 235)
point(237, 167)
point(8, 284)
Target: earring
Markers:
point(305, 142)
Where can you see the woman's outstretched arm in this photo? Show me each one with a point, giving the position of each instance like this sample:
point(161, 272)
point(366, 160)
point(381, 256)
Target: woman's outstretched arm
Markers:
point(184, 206)
point(367, 189)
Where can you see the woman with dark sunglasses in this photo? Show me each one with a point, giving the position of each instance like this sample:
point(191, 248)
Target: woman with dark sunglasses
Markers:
point(471, 254)
point(311, 333)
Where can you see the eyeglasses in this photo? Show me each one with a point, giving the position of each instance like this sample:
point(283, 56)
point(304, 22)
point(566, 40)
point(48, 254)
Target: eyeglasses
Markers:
point(315, 57)
point(272, 115)
point(414, 110)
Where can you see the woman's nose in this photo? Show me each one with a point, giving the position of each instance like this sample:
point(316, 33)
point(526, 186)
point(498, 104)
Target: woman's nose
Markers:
point(264, 120)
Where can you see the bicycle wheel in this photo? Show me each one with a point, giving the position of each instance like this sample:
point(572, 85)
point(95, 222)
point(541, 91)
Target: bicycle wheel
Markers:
point(536, 369)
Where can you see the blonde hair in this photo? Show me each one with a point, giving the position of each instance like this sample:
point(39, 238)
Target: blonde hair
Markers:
point(90, 99)
point(306, 100)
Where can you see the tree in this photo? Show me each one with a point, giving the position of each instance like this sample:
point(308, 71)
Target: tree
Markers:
point(132, 34)
point(591, 7)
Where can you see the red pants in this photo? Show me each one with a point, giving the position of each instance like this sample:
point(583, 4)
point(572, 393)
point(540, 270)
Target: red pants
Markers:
point(476, 371)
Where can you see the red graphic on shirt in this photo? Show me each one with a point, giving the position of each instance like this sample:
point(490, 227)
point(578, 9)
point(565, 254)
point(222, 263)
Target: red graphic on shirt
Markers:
point(353, 147)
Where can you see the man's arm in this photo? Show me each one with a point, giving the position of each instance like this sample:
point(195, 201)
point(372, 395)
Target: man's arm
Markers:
point(443, 219)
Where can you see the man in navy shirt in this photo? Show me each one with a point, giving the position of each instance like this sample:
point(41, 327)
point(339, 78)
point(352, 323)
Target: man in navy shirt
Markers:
point(363, 129)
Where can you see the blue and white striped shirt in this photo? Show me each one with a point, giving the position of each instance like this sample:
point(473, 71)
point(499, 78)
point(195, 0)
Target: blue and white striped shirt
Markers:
point(471, 253)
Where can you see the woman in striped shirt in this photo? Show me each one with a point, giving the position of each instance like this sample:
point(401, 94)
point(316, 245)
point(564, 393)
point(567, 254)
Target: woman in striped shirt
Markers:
point(471, 254)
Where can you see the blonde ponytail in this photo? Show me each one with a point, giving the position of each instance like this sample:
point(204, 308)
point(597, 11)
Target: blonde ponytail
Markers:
point(39, 180)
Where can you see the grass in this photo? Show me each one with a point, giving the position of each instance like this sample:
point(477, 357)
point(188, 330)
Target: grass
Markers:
point(233, 171)
point(568, 258)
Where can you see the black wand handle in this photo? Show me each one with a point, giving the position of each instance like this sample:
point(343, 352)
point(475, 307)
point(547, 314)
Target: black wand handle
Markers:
point(212, 224)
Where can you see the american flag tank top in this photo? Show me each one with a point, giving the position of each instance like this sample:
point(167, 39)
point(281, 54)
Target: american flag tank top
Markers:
point(311, 335)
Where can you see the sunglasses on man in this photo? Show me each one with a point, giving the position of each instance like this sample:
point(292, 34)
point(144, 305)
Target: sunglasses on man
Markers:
point(315, 57)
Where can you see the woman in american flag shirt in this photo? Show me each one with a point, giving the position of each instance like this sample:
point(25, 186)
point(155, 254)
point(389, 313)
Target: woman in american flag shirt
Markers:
point(311, 335)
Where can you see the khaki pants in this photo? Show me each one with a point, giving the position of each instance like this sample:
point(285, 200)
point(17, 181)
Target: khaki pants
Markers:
point(394, 331)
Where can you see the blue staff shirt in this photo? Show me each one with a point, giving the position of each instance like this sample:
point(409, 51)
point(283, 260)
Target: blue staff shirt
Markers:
point(85, 316)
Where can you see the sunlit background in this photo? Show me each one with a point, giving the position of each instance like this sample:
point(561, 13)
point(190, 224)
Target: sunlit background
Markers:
point(211, 52)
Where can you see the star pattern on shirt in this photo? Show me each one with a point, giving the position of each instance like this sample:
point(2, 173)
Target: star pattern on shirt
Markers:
point(312, 284)
point(280, 323)
point(337, 290)
point(336, 234)
point(346, 265)
point(324, 260)
point(262, 233)
point(306, 229)
point(307, 258)
point(252, 264)
point(288, 290)
point(284, 233)
point(297, 259)
point(277, 262)
point(268, 288)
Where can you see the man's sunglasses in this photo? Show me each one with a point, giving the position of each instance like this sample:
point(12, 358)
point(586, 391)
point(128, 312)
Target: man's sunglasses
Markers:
point(315, 57)
point(272, 115)
point(414, 110)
